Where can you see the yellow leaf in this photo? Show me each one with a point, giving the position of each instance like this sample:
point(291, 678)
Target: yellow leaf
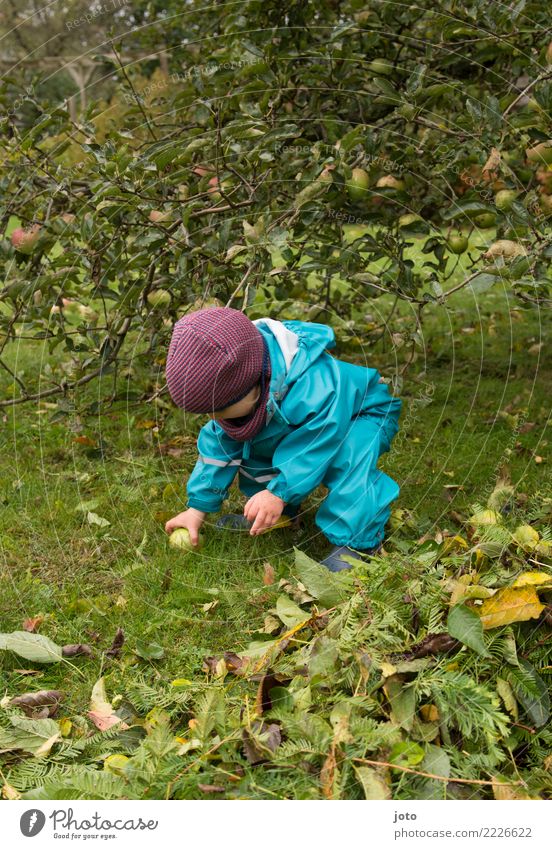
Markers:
point(116, 764)
point(510, 604)
point(526, 537)
point(505, 792)
point(373, 783)
point(387, 669)
point(65, 726)
point(456, 543)
point(507, 695)
point(536, 579)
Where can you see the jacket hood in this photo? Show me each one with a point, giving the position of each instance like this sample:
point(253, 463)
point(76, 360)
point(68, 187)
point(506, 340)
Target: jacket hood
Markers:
point(293, 346)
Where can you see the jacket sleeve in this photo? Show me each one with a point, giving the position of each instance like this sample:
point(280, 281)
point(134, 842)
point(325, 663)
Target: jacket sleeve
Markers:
point(219, 459)
point(304, 455)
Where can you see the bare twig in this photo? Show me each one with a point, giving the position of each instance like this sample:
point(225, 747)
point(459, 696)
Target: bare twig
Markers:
point(433, 775)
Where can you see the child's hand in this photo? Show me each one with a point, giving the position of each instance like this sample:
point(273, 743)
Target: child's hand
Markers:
point(263, 509)
point(191, 519)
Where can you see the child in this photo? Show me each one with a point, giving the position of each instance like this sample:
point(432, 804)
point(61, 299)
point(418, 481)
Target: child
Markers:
point(286, 416)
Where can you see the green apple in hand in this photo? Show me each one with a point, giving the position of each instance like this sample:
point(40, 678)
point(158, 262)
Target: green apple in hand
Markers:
point(180, 538)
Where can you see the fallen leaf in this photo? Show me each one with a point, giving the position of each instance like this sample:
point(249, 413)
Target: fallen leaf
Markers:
point(372, 783)
point(510, 604)
point(33, 647)
point(38, 705)
point(94, 519)
point(76, 649)
point(329, 775)
point(260, 741)
point(149, 651)
point(32, 624)
point(269, 576)
point(36, 736)
point(86, 440)
point(117, 644)
point(101, 711)
point(536, 579)
point(505, 792)
point(210, 788)
point(9, 792)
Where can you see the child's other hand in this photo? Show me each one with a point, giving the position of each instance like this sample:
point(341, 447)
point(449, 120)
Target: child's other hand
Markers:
point(191, 519)
point(263, 509)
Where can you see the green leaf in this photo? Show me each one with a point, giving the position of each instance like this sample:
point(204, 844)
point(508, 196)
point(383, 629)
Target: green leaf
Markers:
point(289, 612)
point(149, 651)
point(372, 783)
point(31, 735)
point(406, 754)
point(465, 625)
point(327, 587)
point(537, 707)
point(33, 647)
point(436, 761)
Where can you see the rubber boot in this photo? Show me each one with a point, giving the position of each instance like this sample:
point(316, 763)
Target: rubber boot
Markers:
point(333, 560)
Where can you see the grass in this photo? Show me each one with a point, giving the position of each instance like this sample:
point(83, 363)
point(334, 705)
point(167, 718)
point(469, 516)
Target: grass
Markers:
point(481, 367)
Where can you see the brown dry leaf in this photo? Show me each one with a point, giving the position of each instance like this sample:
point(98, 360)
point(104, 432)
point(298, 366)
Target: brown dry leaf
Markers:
point(86, 440)
point(510, 604)
point(32, 624)
point(269, 575)
point(329, 775)
point(9, 792)
point(233, 663)
point(489, 170)
point(261, 741)
point(211, 788)
point(117, 644)
point(39, 705)
point(76, 649)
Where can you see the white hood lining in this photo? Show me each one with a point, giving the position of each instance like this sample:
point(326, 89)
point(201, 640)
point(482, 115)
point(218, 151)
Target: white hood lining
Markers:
point(287, 339)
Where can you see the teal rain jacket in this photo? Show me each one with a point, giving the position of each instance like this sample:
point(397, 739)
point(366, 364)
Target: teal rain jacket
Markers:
point(327, 422)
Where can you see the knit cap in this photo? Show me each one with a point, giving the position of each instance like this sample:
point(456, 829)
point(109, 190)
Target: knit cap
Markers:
point(215, 358)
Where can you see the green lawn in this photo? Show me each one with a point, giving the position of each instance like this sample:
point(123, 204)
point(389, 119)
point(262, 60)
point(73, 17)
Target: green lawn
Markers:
point(481, 367)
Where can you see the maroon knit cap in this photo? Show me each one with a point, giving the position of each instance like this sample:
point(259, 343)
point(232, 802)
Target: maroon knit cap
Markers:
point(216, 356)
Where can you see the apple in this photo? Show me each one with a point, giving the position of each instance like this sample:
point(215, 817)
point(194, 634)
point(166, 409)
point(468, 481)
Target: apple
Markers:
point(180, 538)
point(159, 298)
point(23, 240)
point(505, 198)
point(457, 243)
point(485, 219)
point(358, 185)
point(156, 216)
point(541, 153)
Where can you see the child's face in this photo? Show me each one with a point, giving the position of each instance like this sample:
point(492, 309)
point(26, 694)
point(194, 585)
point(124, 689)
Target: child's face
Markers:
point(240, 408)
